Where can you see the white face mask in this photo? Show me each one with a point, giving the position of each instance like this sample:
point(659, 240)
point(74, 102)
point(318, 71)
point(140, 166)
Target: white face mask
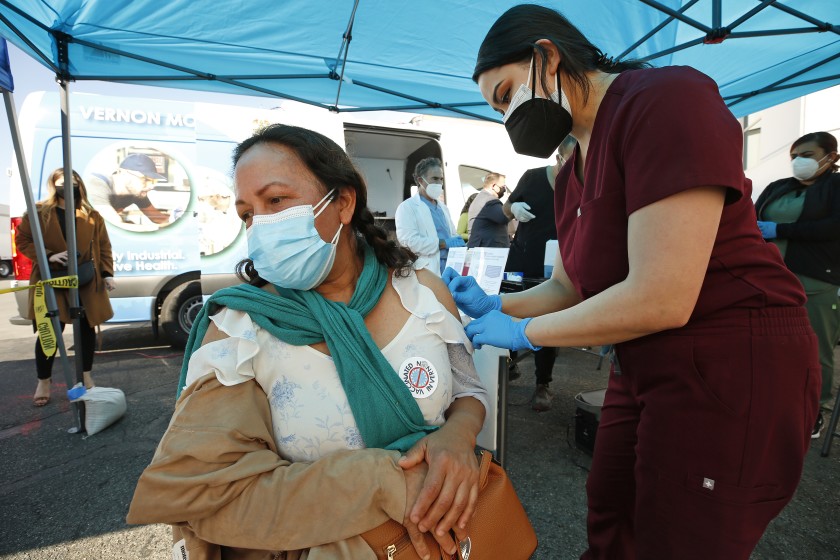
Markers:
point(434, 190)
point(805, 168)
point(287, 249)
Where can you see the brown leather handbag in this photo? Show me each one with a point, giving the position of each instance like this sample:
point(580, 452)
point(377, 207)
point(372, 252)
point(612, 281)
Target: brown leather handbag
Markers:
point(499, 527)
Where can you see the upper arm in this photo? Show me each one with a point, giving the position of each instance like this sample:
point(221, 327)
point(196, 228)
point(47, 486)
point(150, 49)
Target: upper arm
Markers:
point(669, 246)
point(213, 334)
point(402, 215)
point(434, 283)
point(493, 211)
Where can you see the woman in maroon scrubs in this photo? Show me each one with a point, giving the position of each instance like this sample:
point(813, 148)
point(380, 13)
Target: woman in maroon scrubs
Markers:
point(714, 386)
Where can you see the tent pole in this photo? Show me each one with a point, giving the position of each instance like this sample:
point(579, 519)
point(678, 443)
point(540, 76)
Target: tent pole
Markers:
point(76, 310)
point(345, 46)
point(40, 252)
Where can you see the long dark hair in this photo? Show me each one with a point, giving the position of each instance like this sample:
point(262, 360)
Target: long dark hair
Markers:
point(333, 168)
point(513, 38)
point(46, 208)
point(824, 140)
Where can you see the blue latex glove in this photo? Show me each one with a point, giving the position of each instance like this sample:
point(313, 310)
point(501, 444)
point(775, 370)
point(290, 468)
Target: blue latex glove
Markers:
point(501, 331)
point(768, 229)
point(468, 295)
point(454, 241)
point(448, 274)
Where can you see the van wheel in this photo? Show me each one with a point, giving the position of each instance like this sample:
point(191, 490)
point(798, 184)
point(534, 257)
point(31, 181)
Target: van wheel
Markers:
point(178, 312)
point(5, 268)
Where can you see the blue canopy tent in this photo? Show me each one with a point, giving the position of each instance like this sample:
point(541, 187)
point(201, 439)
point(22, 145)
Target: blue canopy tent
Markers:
point(350, 55)
point(409, 55)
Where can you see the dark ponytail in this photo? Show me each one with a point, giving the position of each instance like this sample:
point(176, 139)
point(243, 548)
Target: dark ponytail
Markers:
point(513, 38)
point(387, 251)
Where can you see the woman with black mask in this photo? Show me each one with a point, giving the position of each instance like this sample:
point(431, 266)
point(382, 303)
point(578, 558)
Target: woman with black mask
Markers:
point(94, 248)
point(713, 390)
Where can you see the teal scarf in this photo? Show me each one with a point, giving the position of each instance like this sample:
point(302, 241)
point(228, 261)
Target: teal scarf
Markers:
point(385, 411)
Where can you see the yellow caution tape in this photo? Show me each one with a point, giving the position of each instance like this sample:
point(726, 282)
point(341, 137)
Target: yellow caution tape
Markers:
point(44, 324)
point(60, 282)
point(46, 333)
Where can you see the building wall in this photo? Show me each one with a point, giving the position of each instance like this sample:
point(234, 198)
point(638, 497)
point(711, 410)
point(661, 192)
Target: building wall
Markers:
point(776, 128)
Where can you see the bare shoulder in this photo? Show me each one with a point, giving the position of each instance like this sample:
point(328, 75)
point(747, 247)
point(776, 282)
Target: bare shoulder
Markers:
point(434, 283)
point(213, 334)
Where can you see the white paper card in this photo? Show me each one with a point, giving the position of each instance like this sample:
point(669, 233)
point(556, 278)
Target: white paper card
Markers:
point(487, 266)
point(455, 259)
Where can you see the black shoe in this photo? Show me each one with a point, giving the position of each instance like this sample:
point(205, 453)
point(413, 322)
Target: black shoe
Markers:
point(818, 426)
point(513, 371)
point(542, 398)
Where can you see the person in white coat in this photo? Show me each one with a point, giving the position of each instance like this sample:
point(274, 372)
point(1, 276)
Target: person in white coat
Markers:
point(423, 222)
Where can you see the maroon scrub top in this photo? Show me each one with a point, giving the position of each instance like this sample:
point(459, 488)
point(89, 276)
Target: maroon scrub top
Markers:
point(658, 132)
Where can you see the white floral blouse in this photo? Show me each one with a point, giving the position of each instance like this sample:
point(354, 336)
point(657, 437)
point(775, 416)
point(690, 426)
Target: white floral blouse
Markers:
point(310, 413)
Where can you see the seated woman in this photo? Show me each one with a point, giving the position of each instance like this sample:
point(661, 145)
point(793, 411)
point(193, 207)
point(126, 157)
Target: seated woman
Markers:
point(302, 388)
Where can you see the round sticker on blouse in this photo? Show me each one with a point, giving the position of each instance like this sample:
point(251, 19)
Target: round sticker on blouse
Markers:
point(420, 376)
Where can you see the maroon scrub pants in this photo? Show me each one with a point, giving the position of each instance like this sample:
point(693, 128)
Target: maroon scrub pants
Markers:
point(702, 436)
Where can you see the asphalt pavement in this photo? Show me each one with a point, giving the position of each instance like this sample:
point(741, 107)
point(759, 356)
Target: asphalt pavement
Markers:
point(65, 496)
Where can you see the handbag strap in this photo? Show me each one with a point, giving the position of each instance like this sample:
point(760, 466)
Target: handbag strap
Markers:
point(484, 468)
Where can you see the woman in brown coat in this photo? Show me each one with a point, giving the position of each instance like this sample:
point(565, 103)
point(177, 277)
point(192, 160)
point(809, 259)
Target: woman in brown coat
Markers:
point(92, 243)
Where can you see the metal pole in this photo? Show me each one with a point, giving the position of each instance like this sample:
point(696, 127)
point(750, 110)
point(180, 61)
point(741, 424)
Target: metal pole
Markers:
point(76, 310)
point(345, 47)
point(501, 416)
point(40, 252)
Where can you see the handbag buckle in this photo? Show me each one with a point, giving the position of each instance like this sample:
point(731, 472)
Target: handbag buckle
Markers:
point(464, 548)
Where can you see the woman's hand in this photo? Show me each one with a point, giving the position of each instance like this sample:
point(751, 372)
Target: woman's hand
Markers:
point(110, 283)
point(59, 258)
point(415, 477)
point(450, 490)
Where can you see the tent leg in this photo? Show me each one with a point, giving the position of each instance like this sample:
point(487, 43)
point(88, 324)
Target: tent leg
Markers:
point(41, 253)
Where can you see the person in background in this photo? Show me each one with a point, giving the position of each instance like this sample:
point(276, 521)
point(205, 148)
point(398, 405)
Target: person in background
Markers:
point(532, 205)
point(332, 391)
point(801, 216)
point(464, 218)
point(423, 223)
point(714, 384)
point(488, 223)
point(128, 185)
point(92, 243)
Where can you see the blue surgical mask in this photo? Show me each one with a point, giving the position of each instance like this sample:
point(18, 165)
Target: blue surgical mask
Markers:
point(288, 251)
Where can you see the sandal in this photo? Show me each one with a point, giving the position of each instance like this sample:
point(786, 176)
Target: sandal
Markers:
point(40, 399)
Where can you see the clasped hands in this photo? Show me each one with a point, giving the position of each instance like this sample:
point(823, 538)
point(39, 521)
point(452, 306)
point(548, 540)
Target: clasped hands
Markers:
point(489, 324)
point(441, 478)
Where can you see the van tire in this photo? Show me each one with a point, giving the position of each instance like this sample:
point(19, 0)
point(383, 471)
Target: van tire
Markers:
point(178, 312)
point(5, 268)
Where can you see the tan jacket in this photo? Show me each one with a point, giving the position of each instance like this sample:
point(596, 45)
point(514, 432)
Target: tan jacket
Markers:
point(216, 476)
point(93, 297)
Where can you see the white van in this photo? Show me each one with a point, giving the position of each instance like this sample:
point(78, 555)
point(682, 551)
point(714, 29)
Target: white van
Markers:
point(163, 270)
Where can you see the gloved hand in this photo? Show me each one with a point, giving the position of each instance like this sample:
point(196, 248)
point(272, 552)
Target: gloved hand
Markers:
point(520, 211)
point(455, 241)
point(468, 295)
point(768, 229)
point(499, 330)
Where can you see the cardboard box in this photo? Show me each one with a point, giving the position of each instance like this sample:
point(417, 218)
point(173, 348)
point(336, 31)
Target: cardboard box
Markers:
point(587, 417)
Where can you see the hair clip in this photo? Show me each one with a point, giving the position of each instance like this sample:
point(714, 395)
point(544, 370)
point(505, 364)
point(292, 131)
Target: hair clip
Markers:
point(604, 60)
